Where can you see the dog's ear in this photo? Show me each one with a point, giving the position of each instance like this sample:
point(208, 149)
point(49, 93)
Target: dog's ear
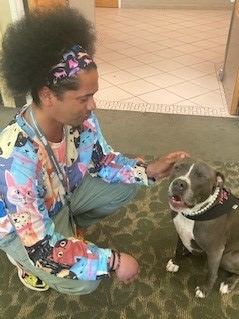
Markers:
point(220, 179)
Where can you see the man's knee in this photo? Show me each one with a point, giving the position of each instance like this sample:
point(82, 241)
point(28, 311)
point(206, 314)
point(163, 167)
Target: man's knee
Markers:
point(127, 192)
point(133, 191)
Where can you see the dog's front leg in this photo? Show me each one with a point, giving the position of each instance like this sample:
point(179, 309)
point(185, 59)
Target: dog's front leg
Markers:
point(181, 251)
point(213, 259)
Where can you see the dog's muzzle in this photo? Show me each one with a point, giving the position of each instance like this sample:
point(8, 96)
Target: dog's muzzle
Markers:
point(180, 195)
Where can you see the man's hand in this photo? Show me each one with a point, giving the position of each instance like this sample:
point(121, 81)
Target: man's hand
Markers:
point(127, 268)
point(162, 167)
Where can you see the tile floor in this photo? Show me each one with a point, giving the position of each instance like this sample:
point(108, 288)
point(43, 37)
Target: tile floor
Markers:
point(162, 60)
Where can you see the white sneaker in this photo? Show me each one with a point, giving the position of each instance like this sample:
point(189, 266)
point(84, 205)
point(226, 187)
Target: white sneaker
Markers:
point(30, 281)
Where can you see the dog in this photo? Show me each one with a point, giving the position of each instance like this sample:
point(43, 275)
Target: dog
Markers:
point(206, 218)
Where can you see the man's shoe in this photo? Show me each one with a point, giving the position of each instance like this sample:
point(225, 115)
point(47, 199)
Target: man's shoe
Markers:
point(30, 281)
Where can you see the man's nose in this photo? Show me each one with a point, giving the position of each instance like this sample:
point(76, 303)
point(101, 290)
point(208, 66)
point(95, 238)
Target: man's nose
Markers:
point(91, 105)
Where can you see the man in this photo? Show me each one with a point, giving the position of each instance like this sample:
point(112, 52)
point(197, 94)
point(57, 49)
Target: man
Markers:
point(58, 175)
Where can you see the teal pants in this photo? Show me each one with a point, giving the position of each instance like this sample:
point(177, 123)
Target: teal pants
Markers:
point(93, 200)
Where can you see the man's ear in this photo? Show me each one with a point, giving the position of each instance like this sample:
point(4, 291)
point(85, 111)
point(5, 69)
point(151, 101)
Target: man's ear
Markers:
point(220, 179)
point(45, 95)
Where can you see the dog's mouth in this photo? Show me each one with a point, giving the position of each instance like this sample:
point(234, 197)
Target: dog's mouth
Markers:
point(176, 203)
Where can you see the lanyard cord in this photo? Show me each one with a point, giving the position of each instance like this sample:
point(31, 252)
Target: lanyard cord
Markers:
point(50, 152)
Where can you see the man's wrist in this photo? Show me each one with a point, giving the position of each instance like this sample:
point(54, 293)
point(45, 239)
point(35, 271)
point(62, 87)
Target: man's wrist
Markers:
point(146, 165)
point(115, 260)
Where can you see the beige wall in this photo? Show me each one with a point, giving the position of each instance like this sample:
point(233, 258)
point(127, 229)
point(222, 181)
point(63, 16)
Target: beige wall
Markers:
point(5, 16)
point(5, 19)
point(190, 4)
point(87, 7)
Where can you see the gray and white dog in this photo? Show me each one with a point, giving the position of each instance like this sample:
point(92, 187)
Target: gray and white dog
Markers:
point(206, 218)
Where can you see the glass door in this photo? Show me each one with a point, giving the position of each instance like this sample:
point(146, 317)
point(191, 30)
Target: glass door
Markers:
point(230, 71)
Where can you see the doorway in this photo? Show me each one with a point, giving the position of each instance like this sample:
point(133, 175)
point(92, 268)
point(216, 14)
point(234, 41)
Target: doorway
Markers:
point(44, 4)
point(106, 3)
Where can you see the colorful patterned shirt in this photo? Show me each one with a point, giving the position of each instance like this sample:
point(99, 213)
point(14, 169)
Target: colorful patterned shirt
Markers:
point(31, 192)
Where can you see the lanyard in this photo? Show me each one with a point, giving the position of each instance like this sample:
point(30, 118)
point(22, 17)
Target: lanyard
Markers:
point(51, 154)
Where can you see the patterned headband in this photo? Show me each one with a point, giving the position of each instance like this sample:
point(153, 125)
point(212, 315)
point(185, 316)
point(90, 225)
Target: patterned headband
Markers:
point(72, 62)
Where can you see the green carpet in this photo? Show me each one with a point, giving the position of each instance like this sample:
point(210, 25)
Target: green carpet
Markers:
point(144, 229)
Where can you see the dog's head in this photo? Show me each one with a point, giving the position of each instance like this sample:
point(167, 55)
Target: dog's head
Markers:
point(192, 185)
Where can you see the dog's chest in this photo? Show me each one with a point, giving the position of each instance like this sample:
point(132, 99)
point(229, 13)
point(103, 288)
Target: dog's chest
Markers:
point(184, 227)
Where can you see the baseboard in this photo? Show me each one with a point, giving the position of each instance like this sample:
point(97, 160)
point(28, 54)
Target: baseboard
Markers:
point(176, 7)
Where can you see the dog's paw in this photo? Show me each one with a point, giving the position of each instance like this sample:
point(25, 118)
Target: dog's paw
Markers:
point(199, 293)
point(228, 285)
point(224, 288)
point(171, 267)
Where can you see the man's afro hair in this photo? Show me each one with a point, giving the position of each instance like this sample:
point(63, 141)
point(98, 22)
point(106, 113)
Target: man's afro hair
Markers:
point(33, 44)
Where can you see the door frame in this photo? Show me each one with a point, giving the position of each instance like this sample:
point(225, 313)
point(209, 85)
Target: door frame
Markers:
point(119, 3)
point(16, 8)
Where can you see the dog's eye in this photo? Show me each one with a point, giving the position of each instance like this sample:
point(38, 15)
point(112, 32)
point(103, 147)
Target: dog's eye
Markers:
point(198, 174)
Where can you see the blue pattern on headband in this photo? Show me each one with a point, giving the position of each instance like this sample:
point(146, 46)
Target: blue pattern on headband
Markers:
point(71, 62)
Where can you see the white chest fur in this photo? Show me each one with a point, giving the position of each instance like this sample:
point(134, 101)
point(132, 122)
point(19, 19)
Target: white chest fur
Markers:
point(184, 227)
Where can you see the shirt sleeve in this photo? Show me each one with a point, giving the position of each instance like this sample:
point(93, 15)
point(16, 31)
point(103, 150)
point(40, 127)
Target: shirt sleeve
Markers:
point(113, 166)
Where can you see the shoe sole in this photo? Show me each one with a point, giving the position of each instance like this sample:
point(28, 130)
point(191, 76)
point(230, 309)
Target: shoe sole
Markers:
point(20, 275)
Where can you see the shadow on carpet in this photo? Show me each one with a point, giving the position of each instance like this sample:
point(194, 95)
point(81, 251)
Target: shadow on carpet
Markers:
point(145, 230)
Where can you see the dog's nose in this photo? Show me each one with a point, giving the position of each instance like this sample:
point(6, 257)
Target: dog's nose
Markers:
point(179, 185)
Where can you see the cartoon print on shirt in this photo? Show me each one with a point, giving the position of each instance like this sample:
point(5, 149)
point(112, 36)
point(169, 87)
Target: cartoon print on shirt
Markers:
point(53, 190)
point(21, 140)
point(74, 175)
point(21, 196)
point(140, 175)
point(115, 175)
point(77, 141)
point(24, 227)
point(27, 220)
point(69, 258)
point(97, 157)
point(22, 161)
point(68, 251)
point(5, 223)
point(41, 255)
point(89, 125)
point(86, 144)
